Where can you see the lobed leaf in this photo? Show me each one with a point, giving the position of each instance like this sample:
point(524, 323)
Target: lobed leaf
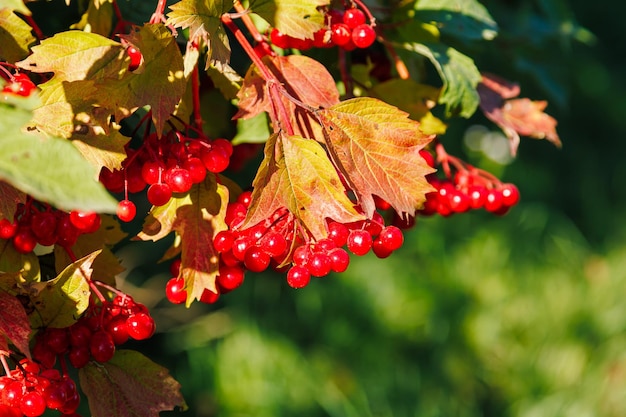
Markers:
point(97, 19)
point(60, 301)
point(197, 217)
point(62, 176)
point(15, 36)
point(158, 82)
point(376, 147)
point(462, 19)
point(129, 385)
point(515, 116)
point(297, 174)
point(76, 55)
point(296, 18)
point(26, 265)
point(102, 149)
point(202, 18)
point(458, 73)
point(14, 324)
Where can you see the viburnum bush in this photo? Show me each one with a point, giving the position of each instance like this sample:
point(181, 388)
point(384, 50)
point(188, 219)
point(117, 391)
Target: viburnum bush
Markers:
point(112, 112)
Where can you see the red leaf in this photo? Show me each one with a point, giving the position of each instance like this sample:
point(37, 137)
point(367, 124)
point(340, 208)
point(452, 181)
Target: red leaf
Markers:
point(129, 385)
point(304, 79)
point(515, 117)
point(14, 322)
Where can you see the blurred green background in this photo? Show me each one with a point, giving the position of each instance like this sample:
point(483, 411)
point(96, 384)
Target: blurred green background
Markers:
point(476, 315)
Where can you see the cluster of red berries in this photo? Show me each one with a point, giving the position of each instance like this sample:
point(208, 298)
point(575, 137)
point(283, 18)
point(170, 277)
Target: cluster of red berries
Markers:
point(276, 242)
point(171, 164)
point(96, 334)
point(346, 29)
point(19, 84)
point(469, 188)
point(46, 226)
point(29, 390)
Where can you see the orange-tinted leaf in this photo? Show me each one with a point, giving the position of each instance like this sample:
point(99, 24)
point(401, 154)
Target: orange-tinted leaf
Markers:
point(129, 385)
point(304, 78)
point(515, 116)
point(158, 82)
point(196, 217)
point(10, 197)
point(297, 174)
point(14, 324)
point(376, 146)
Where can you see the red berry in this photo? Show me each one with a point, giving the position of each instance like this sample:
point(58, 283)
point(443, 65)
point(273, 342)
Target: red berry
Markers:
point(83, 220)
point(209, 297)
point(118, 329)
point(493, 200)
point(274, 244)
point(353, 17)
point(510, 195)
point(215, 160)
point(32, 404)
point(20, 85)
point(428, 157)
point(151, 172)
point(7, 229)
point(140, 326)
point(223, 241)
point(175, 291)
point(196, 168)
point(135, 58)
point(298, 276)
point(24, 240)
point(477, 195)
point(458, 201)
point(101, 346)
point(126, 210)
point(320, 264)
point(12, 393)
point(256, 259)
point(178, 179)
point(339, 259)
point(223, 145)
point(391, 237)
point(359, 242)
point(159, 194)
point(55, 395)
point(380, 250)
point(279, 39)
point(79, 356)
point(363, 36)
point(340, 34)
point(338, 232)
point(229, 278)
point(175, 267)
point(245, 198)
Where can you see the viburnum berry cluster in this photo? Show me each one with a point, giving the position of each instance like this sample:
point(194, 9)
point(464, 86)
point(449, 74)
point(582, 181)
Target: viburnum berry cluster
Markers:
point(465, 188)
point(348, 161)
point(30, 388)
point(39, 223)
point(346, 29)
point(166, 166)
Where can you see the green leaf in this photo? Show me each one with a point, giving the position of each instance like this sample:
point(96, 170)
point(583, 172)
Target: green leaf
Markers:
point(458, 73)
point(253, 130)
point(415, 99)
point(49, 169)
point(76, 55)
point(61, 301)
point(15, 36)
point(24, 264)
point(202, 18)
point(98, 18)
point(158, 82)
point(376, 147)
point(297, 174)
point(462, 19)
point(129, 385)
point(16, 5)
point(102, 149)
point(14, 322)
point(297, 18)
